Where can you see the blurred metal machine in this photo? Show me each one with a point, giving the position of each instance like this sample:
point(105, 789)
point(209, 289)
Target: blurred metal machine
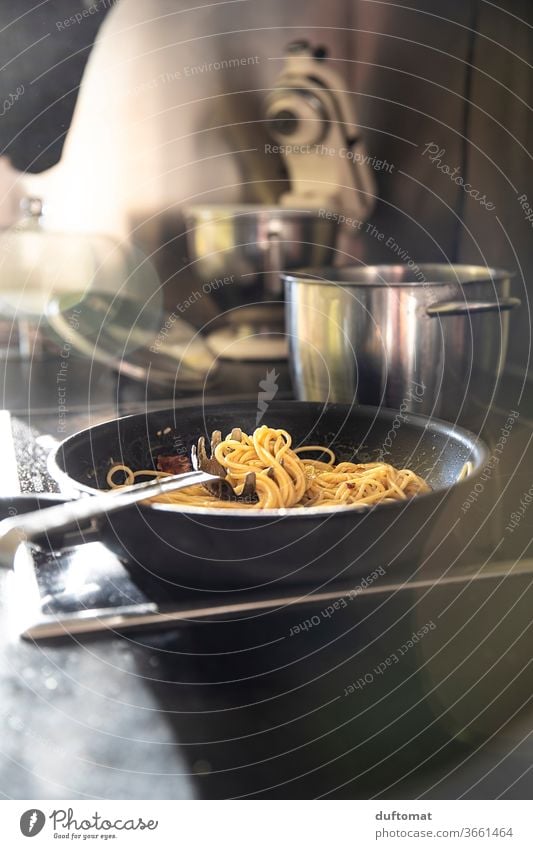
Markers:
point(310, 117)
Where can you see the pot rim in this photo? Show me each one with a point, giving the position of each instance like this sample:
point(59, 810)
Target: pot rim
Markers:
point(386, 275)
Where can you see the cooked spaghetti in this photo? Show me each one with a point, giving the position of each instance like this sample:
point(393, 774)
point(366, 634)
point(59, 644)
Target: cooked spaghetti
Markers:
point(285, 478)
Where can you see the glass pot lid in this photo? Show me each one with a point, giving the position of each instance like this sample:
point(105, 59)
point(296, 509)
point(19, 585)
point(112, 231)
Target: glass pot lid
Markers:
point(132, 336)
point(97, 296)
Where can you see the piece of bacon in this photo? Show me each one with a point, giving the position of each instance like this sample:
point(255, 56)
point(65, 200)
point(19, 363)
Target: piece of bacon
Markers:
point(174, 464)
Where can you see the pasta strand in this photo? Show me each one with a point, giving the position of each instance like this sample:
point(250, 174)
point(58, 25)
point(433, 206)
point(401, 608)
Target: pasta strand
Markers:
point(285, 479)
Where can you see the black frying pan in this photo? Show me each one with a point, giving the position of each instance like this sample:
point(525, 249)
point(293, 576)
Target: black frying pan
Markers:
point(244, 550)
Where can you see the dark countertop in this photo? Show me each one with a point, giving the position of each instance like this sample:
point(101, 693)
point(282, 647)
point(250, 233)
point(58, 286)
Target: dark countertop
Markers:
point(241, 708)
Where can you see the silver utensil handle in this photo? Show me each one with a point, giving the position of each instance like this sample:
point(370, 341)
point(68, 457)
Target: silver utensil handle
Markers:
point(472, 307)
point(29, 527)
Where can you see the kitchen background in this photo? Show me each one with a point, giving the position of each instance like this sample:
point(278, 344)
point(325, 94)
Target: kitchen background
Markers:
point(166, 116)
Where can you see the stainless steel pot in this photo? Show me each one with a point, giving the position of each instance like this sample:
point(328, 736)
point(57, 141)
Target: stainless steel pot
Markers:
point(430, 339)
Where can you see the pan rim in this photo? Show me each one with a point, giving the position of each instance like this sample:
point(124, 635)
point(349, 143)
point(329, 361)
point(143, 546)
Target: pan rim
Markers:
point(478, 447)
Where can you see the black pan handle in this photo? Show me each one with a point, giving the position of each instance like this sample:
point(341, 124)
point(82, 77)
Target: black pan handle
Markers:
point(38, 526)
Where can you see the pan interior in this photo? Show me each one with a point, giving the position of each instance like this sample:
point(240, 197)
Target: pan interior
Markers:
point(435, 450)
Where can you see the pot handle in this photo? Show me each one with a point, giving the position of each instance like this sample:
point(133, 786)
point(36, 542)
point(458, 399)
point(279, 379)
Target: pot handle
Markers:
point(472, 307)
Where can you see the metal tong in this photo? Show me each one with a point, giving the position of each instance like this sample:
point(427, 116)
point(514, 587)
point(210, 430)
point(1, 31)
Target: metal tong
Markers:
point(47, 525)
point(210, 464)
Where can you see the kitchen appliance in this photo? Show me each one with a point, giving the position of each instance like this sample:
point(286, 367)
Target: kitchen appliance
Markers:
point(311, 118)
point(428, 338)
point(238, 253)
point(240, 550)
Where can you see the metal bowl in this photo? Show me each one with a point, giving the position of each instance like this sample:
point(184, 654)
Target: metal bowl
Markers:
point(251, 245)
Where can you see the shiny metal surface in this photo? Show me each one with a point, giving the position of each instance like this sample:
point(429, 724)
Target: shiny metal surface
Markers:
point(472, 307)
point(253, 244)
point(430, 339)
